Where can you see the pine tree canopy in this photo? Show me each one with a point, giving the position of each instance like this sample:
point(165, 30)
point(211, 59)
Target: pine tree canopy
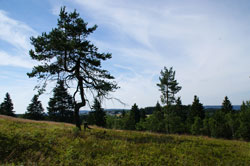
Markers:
point(66, 54)
point(168, 86)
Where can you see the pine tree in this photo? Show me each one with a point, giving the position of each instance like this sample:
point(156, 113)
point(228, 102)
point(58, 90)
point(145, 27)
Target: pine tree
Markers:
point(197, 108)
point(35, 110)
point(99, 116)
point(6, 107)
point(226, 106)
point(65, 53)
point(61, 104)
point(133, 118)
point(168, 86)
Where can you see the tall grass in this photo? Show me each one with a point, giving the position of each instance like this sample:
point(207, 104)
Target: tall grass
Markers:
point(42, 143)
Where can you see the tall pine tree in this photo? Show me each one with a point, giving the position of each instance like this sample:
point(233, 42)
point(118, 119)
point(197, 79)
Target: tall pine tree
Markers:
point(61, 104)
point(35, 109)
point(168, 86)
point(6, 107)
point(65, 53)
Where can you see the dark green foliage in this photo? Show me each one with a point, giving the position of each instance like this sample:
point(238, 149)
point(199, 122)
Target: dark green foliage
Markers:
point(244, 126)
point(226, 106)
point(168, 86)
point(35, 109)
point(60, 106)
point(142, 115)
point(156, 121)
point(133, 118)
point(98, 115)
point(6, 107)
point(219, 126)
point(66, 54)
point(190, 120)
point(196, 110)
point(233, 122)
point(206, 127)
point(197, 127)
point(173, 123)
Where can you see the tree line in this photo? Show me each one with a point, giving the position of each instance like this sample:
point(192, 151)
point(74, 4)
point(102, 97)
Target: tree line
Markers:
point(172, 118)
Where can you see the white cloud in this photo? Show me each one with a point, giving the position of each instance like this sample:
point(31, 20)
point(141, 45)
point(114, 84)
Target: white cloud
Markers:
point(206, 46)
point(15, 32)
point(17, 61)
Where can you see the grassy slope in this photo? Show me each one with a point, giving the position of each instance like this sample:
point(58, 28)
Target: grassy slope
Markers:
point(46, 143)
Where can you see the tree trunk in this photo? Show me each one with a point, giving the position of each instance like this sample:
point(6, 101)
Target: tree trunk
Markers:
point(77, 117)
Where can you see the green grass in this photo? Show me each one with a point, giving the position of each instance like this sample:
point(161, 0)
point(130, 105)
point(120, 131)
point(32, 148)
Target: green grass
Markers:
point(41, 143)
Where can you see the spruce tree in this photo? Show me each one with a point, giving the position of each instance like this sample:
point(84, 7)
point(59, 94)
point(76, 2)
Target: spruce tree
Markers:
point(6, 107)
point(133, 118)
point(99, 116)
point(60, 106)
point(35, 110)
point(226, 106)
point(168, 86)
point(197, 108)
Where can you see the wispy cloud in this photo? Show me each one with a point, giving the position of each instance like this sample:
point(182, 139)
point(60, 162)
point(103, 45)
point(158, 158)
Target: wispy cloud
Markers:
point(17, 61)
point(15, 32)
point(206, 46)
point(17, 36)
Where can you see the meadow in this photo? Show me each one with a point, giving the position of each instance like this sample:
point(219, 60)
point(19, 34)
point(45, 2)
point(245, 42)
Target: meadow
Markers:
point(28, 142)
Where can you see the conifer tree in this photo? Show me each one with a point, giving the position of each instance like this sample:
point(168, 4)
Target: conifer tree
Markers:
point(197, 108)
point(60, 106)
point(65, 53)
point(157, 119)
point(168, 86)
point(133, 118)
point(99, 116)
point(226, 106)
point(6, 107)
point(35, 110)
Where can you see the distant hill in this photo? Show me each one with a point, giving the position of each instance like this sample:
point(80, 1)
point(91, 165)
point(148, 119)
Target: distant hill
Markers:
point(235, 107)
point(110, 111)
point(149, 110)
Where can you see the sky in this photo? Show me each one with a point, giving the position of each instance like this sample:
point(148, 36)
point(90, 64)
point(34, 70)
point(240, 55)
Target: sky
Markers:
point(206, 42)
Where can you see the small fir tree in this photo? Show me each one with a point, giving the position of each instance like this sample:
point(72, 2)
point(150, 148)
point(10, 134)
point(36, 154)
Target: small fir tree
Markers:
point(6, 107)
point(197, 108)
point(61, 104)
point(226, 106)
point(134, 117)
point(98, 114)
point(35, 110)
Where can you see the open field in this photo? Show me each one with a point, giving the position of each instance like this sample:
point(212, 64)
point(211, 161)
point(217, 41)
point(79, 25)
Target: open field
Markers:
point(27, 142)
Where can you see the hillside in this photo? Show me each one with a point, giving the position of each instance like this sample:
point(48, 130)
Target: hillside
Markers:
point(27, 142)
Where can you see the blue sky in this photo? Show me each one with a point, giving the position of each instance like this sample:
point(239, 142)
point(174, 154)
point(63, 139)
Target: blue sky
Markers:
point(207, 43)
